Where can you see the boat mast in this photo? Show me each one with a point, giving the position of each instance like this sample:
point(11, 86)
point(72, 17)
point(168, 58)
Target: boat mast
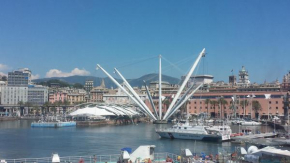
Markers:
point(131, 90)
point(202, 54)
point(160, 91)
point(126, 92)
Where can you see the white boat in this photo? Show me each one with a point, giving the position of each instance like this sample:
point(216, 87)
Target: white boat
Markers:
point(196, 132)
point(250, 123)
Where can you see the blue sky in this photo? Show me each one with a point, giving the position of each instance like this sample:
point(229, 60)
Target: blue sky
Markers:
point(62, 38)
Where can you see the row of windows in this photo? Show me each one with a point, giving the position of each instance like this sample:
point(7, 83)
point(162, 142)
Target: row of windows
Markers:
point(270, 102)
point(225, 108)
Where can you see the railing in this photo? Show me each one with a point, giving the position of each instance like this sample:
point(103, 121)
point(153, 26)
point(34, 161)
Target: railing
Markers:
point(69, 159)
point(158, 158)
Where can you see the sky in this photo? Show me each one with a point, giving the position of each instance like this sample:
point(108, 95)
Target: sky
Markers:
point(70, 37)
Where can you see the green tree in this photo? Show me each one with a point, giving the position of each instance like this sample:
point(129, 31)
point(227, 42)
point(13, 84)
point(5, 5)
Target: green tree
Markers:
point(244, 103)
point(223, 103)
point(214, 103)
point(256, 106)
point(78, 85)
point(207, 101)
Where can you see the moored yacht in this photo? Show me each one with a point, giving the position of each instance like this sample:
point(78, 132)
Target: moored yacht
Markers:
point(196, 132)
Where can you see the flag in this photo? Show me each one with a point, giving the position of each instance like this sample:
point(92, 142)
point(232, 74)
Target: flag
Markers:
point(232, 70)
point(267, 96)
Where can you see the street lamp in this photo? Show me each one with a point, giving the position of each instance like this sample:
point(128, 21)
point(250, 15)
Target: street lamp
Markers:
point(251, 97)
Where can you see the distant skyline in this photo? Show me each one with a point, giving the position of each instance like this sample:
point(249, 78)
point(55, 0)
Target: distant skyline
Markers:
point(65, 38)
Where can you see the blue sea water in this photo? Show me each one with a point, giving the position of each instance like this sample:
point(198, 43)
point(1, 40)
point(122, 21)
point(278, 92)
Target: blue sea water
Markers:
point(19, 140)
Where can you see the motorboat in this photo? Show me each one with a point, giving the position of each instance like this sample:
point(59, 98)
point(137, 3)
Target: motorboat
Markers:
point(196, 132)
point(250, 123)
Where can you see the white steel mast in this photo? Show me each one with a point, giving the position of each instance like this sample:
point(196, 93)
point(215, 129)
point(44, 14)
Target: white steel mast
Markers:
point(151, 100)
point(131, 90)
point(186, 98)
point(123, 89)
point(160, 91)
point(202, 53)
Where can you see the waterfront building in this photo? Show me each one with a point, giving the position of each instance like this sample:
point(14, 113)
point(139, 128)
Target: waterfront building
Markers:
point(37, 94)
point(198, 104)
point(13, 95)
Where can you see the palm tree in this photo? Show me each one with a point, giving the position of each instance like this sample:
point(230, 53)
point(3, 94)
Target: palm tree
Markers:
point(166, 102)
point(214, 103)
point(207, 101)
point(244, 103)
point(223, 102)
point(256, 106)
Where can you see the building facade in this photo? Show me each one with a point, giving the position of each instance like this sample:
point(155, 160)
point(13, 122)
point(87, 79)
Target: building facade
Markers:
point(13, 95)
point(21, 77)
point(76, 96)
point(57, 96)
point(37, 94)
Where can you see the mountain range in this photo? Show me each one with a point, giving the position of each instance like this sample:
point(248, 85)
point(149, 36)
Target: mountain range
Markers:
point(109, 84)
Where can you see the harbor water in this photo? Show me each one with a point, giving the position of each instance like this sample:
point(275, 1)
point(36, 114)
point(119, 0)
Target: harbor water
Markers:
point(19, 140)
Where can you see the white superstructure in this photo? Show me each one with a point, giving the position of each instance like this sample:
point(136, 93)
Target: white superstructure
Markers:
point(196, 132)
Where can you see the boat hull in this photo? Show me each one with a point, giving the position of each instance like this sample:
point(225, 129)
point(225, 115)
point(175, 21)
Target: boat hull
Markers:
point(53, 124)
point(160, 122)
point(174, 135)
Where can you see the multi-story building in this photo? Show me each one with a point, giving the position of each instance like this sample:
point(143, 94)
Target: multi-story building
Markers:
point(20, 89)
point(37, 94)
point(13, 95)
point(19, 78)
point(89, 85)
point(60, 95)
point(76, 96)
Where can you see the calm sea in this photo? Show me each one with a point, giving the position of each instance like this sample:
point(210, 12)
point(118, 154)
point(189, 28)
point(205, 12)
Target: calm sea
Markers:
point(19, 140)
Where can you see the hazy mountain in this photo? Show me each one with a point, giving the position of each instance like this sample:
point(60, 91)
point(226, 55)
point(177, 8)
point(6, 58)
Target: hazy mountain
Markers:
point(97, 80)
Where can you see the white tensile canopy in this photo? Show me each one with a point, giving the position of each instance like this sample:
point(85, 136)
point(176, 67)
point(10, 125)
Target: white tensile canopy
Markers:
point(104, 111)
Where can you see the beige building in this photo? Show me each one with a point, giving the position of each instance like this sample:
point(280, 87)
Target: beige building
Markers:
point(76, 96)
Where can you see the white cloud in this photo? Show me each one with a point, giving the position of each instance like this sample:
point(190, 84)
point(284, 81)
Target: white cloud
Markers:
point(2, 74)
point(34, 76)
point(3, 67)
point(59, 73)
